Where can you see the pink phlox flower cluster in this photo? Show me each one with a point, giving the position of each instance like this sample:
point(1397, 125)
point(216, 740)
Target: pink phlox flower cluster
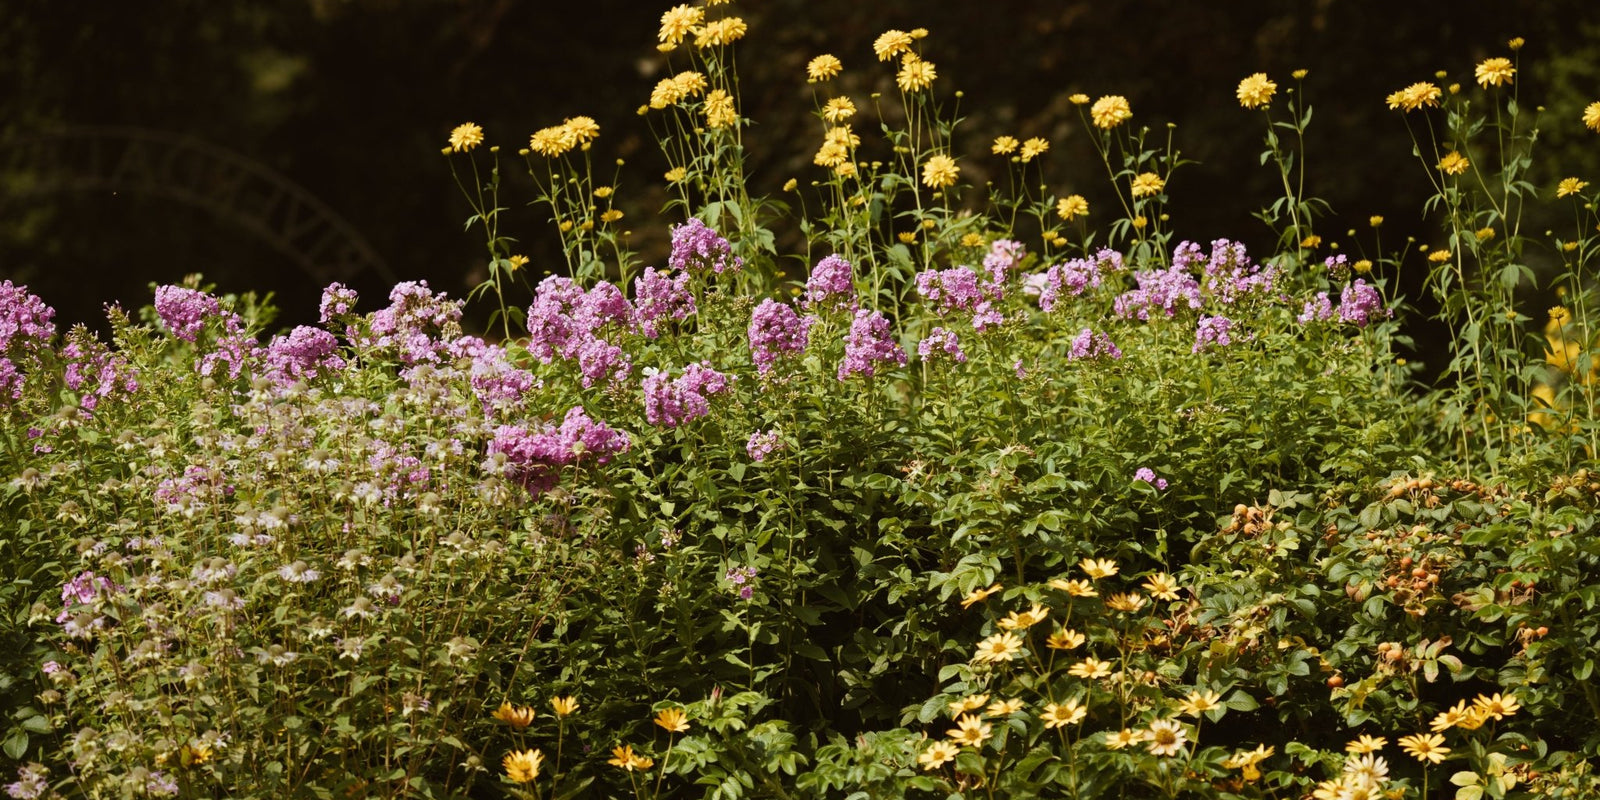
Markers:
point(1149, 476)
point(697, 247)
point(959, 289)
point(1213, 331)
point(777, 330)
point(83, 590)
point(338, 301)
point(670, 402)
point(535, 455)
point(762, 444)
point(1090, 345)
point(831, 284)
point(566, 322)
point(93, 369)
point(1360, 304)
point(1230, 274)
point(941, 343)
point(185, 311)
point(743, 580)
point(418, 324)
point(25, 320)
point(499, 385)
point(1003, 256)
point(301, 354)
point(1317, 309)
point(1075, 277)
point(660, 295)
point(1162, 289)
point(869, 344)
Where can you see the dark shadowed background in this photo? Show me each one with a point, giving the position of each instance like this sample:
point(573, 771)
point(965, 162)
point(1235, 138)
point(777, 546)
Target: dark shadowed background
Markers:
point(278, 145)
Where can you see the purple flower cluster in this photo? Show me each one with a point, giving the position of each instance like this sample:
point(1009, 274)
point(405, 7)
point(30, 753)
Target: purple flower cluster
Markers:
point(763, 444)
point(535, 456)
point(1317, 309)
point(417, 323)
point(91, 369)
point(669, 403)
point(84, 590)
point(1212, 331)
point(696, 248)
point(301, 354)
point(1164, 289)
point(498, 384)
point(197, 486)
point(659, 296)
point(1360, 304)
point(1149, 476)
point(743, 580)
point(1003, 256)
point(831, 284)
point(1230, 274)
point(185, 311)
point(33, 781)
point(776, 330)
point(1076, 277)
point(959, 289)
point(25, 321)
point(567, 321)
point(869, 344)
point(941, 343)
point(338, 301)
point(1090, 345)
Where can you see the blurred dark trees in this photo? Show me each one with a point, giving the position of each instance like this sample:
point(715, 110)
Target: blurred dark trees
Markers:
point(352, 99)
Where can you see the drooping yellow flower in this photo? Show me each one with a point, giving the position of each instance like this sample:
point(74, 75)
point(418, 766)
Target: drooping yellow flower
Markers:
point(823, 68)
point(970, 730)
point(1199, 702)
point(968, 703)
point(972, 239)
point(1004, 708)
point(1110, 111)
point(1494, 72)
point(978, 596)
point(678, 22)
point(1449, 718)
point(891, 43)
point(1124, 738)
point(1516, 43)
point(838, 110)
point(516, 717)
point(940, 171)
point(1098, 568)
point(522, 766)
point(1256, 91)
point(1246, 760)
point(583, 130)
point(1090, 668)
point(1375, 220)
point(1078, 98)
point(465, 137)
point(721, 33)
point(564, 706)
point(999, 647)
point(1065, 639)
point(1366, 744)
point(1034, 147)
point(1147, 184)
point(1071, 207)
point(675, 174)
point(1591, 116)
point(625, 758)
point(1439, 256)
point(1021, 620)
point(1497, 707)
point(1418, 95)
point(1004, 145)
point(1300, 74)
point(1128, 603)
point(1362, 267)
point(1454, 163)
point(1162, 586)
point(1167, 737)
point(719, 110)
point(1569, 187)
point(938, 754)
point(1060, 715)
point(915, 75)
point(1484, 234)
point(672, 720)
point(1075, 587)
point(1426, 747)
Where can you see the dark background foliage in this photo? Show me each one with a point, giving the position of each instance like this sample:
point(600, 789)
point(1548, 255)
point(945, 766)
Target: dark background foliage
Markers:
point(352, 99)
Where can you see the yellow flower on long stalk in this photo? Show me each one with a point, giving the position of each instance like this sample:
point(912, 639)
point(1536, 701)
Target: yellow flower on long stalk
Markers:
point(1004, 708)
point(1366, 744)
point(1090, 668)
point(551, 142)
point(719, 110)
point(940, 171)
point(1110, 111)
point(465, 137)
point(1098, 568)
point(1418, 95)
point(1495, 706)
point(1591, 116)
point(1074, 587)
point(996, 648)
point(1494, 72)
point(968, 703)
point(823, 68)
point(1246, 760)
point(1126, 602)
point(915, 74)
point(1071, 207)
point(978, 596)
point(516, 717)
point(1425, 747)
point(1569, 187)
point(583, 130)
point(723, 32)
point(838, 110)
point(1454, 163)
point(624, 758)
point(1004, 145)
point(891, 43)
point(1018, 620)
point(1034, 147)
point(1147, 184)
point(673, 720)
point(938, 754)
point(678, 22)
point(564, 706)
point(1065, 639)
point(1256, 91)
point(1167, 737)
point(970, 730)
point(1057, 715)
point(522, 766)
point(1199, 702)
point(1161, 586)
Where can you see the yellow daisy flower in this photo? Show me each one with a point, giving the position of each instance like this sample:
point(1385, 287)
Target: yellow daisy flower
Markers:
point(1033, 148)
point(1454, 163)
point(823, 68)
point(1059, 715)
point(978, 596)
point(522, 766)
point(999, 647)
point(1256, 91)
point(1110, 111)
point(1494, 72)
point(1246, 760)
point(940, 171)
point(723, 32)
point(970, 730)
point(465, 137)
point(1090, 669)
point(1004, 145)
point(1161, 586)
point(1199, 702)
point(719, 110)
point(624, 758)
point(1098, 568)
point(1591, 116)
point(564, 706)
point(1426, 747)
point(1366, 744)
point(1004, 708)
point(891, 43)
point(1127, 603)
point(1124, 738)
point(1570, 186)
point(1071, 207)
point(1065, 639)
point(838, 110)
point(678, 22)
point(1497, 707)
point(1076, 588)
point(968, 703)
point(1147, 184)
point(516, 717)
point(583, 130)
point(1417, 95)
point(915, 75)
point(938, 754)
point(1167, 737)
